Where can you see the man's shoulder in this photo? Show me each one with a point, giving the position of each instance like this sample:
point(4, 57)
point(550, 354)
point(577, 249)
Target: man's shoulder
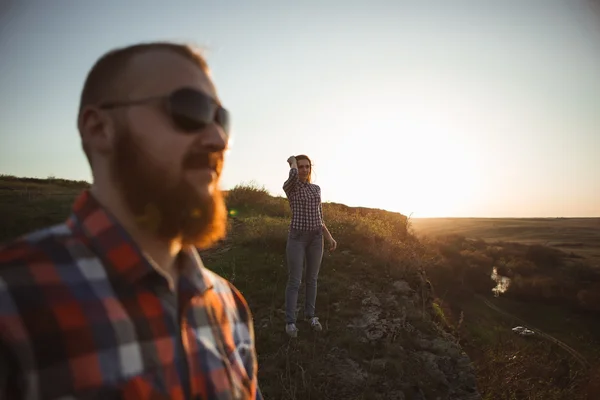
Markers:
point(227, 290)
point(38, 249)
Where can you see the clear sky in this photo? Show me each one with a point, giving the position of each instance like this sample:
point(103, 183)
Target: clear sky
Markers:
point(436, 108)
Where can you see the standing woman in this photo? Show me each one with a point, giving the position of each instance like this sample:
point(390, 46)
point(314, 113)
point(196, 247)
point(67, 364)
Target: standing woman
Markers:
point(305, 241)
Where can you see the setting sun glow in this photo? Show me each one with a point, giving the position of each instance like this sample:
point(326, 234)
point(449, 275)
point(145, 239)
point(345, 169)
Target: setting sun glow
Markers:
point(457, 109)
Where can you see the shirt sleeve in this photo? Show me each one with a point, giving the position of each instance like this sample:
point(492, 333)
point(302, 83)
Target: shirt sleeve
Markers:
point(321, 206)
point(250, 359)
point(292, 182)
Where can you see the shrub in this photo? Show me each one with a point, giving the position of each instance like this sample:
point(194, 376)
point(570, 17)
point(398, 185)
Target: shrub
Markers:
point(381, 235)
point(544, 257)
point(264, 231)
point(589, 298)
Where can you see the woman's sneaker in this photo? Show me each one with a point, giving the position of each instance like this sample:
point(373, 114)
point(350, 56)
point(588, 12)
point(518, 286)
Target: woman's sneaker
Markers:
point(315, 324)
point(291, 330)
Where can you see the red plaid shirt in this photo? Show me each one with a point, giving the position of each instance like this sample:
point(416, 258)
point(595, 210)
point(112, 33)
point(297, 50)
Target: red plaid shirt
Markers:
point(83, 315)
point(305, 203)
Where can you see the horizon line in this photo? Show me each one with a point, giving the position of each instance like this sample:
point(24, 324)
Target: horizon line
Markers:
point(408, 215)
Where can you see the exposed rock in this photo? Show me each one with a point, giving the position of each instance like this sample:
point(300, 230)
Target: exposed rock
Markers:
point(395, 395)
point(371, 300)
point(375, 333)
point(402, 288)
point(378, 365)
point(440, 347)
point(370, 312)
point(430, 364)
point(344, 369)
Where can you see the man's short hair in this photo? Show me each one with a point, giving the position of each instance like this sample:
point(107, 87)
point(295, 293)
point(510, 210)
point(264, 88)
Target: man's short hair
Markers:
point(102, 81)
point(104, 75)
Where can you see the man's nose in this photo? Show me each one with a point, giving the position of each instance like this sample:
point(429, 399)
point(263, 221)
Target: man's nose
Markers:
point(213, 138)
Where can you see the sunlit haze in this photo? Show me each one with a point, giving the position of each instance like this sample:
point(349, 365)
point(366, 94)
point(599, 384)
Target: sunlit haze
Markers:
point(430, 108)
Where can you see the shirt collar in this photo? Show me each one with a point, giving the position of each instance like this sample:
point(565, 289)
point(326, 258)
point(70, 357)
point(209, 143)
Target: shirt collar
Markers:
point(121, 255)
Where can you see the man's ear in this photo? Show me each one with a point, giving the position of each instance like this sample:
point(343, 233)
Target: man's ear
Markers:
point(97, 130)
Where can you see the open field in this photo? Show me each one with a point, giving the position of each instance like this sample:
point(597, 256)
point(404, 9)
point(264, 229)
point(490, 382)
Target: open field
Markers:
point(578, 235)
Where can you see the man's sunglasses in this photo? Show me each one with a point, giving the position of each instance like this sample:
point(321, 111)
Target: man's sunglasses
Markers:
point(189, 109)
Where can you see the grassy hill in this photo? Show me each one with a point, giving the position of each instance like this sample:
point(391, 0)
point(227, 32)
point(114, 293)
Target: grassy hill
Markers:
point(397, 311)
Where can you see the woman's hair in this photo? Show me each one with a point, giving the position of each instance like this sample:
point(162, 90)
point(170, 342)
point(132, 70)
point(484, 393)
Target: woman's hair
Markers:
point(305, 157)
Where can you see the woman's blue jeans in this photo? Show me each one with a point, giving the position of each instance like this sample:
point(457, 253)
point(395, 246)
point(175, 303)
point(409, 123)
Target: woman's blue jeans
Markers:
point(302, 246)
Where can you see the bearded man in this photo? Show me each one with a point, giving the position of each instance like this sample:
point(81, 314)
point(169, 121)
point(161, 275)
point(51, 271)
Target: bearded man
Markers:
point(115, 302)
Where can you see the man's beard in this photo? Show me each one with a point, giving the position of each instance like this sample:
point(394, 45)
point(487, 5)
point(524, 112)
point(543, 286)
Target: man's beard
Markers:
point(174, 211)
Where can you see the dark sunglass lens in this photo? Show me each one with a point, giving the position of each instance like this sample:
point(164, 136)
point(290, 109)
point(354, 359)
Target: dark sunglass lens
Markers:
point(222, 118)
point(187, 124)
point(190, 109)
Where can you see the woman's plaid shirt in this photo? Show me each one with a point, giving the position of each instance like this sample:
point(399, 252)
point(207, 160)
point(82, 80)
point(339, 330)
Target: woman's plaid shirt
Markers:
point(305, 203)
point(83, 315)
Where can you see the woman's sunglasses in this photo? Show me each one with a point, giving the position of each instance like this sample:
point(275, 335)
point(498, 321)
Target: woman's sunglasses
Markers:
point(190, 110)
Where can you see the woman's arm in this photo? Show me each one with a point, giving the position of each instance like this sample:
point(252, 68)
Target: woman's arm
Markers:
point(330, 239)
point(290, 185)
